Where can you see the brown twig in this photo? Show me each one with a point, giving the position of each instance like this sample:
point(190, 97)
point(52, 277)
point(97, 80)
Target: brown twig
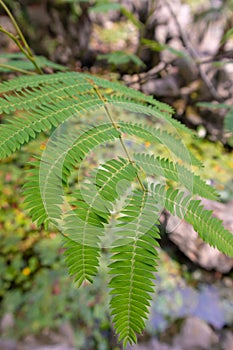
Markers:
point(228, 55)
point(152, 73)
point(193, 54)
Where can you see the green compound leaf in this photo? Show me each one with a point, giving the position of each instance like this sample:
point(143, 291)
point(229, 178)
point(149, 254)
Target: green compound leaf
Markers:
point(134, 260)
point(115, 197)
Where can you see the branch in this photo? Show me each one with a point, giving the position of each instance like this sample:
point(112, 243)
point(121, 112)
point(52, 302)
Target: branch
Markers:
point(194, 55)
point(26, 49)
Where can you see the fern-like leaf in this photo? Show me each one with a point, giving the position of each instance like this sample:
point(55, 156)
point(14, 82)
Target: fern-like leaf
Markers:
point(140, 107)
point(209, 228)
point(134, 260)
point(25, 83)
point(50, 100)
point(60, 158)
point(83, 228)
point(20, 130)
point(30, 99)
point(40, 103)
point(173, 144)
point(86, 142)
point(85, 224)
point(122, 90)
point(17, 61)
point(33, 200)
point(157, 166)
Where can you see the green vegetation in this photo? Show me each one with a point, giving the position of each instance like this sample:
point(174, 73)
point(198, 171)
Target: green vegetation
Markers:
point(121, 198)
point(31, 271)
point(17, 62)
point(58, 97)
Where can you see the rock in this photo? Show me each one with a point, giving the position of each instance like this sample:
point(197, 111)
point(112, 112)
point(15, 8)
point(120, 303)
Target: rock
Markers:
point(154, 344)
point(167, 86)
point(61, 346)
point(7, 322)
point(225, 81)
point(227, 341)
point(167, 23)
point(62, 339)
point(67, 332)
point(188, 241)
point(7, 344)
point(195, 334)
point(187, 69)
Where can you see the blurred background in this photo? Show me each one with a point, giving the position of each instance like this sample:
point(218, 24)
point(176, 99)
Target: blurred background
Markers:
point(181, 52)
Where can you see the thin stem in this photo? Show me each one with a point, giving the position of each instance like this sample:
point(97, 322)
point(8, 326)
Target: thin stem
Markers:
point(16, 27)
point(16, 69)
point(26, 49)
point(120, 137)
point(17, 42)
point(14, 38)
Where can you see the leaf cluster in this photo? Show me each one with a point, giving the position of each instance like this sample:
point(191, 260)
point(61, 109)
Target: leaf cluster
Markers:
point(124, 195)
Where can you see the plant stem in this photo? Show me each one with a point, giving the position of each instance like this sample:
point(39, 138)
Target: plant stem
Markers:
point(14, 38)
point(16, 27)
point(26, 49)
point(120, 137)
point(16, 69)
